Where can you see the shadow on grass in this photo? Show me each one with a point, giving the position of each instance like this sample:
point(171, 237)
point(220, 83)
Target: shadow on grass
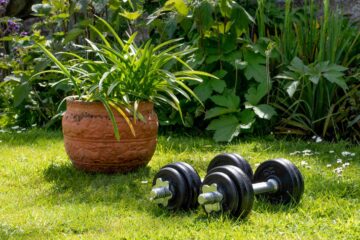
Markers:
point(74, 186)
point(9, 232)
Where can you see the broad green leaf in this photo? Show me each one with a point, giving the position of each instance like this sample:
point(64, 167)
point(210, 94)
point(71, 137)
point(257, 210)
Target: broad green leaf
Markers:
point(41, 8)
point(228, 100)
point(229, 43)
point(233, 56)
point(241, 18)
point(20, 92)
point(225, 8)
point(314, 78)
point(73, 34)
point(226, 128)
point(255, 66)
point(337, 78)
point(220, 73)
point(217, 85)
point(180, 6)
point(203, 15)
point(336, 68)
point(212, 58)
point(203, 90)
point(218, 111)
point(254, 95)
point(264, 111)
point(246, 118)
point(297, 65)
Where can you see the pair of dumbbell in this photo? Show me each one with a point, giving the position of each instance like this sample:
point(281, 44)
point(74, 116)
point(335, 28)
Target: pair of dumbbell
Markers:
point(227, 186)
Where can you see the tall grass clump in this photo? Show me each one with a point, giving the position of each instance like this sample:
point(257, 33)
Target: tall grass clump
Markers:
point(318, 84)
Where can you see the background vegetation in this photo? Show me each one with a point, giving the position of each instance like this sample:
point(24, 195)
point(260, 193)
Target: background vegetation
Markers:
point(282, 69)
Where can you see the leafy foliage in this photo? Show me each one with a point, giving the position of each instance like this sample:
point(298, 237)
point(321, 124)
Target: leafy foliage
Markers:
point(322, 59)
point(221, 32)
point(120, 74)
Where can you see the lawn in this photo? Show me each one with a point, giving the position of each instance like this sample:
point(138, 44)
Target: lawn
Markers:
point(43, 197)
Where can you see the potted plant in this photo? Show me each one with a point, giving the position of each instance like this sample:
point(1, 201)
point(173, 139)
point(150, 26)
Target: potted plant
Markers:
point(110, 124)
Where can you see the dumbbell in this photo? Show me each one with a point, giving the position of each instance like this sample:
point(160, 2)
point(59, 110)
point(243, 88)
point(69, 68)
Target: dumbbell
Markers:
point(233, 159)
point(177, 185)
point(228, 189)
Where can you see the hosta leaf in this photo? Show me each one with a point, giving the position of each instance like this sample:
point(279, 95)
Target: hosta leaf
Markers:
point(226, 128)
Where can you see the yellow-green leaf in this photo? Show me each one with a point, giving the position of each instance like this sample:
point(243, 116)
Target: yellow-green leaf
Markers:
point(131, 15)
point(179, 5)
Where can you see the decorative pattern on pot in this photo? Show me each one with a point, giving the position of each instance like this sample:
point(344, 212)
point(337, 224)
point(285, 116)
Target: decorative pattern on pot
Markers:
point(91, 144)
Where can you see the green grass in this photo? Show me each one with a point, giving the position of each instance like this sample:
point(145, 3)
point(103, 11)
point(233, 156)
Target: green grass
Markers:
point(43, 197)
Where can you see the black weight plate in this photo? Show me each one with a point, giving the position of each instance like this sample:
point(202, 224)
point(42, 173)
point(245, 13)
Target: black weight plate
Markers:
point(246, 194)
point(246, 168)
point(231, 159)
point(192, 188)
point(177, 186)
point(244, 188)
point(227, 188)
point(291, 185)
point(300, 180)
point(195, 184)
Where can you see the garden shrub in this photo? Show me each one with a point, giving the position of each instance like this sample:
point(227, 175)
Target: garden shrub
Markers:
point(254, 49)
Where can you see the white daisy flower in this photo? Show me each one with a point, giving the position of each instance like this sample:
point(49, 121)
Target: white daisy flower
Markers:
point(303, 163)
point(295, 153)
point(346, 153)
point(346, 164)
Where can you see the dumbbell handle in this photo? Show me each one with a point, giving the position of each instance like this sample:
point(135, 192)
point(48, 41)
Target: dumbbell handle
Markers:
point(160, 192)
point(271, 185)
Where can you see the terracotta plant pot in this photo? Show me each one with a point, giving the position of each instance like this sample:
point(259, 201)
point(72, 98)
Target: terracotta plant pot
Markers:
point(90, 141)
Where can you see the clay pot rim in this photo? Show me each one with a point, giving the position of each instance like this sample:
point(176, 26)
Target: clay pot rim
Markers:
point(73, 99)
